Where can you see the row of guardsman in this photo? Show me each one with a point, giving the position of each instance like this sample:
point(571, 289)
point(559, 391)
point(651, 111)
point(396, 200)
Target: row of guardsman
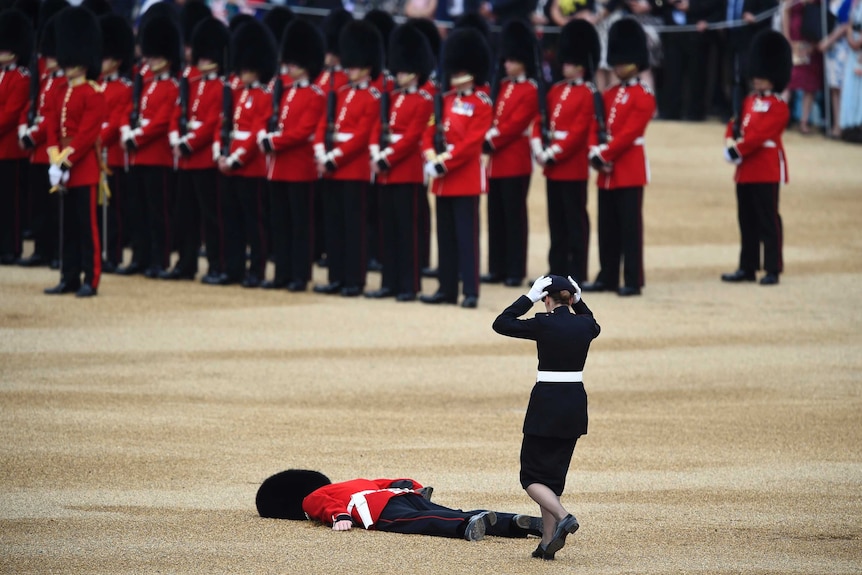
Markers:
point(294, 142)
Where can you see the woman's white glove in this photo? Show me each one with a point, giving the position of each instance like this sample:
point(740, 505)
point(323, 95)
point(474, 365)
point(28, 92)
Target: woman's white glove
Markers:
point(537, 290)
point(577, 293)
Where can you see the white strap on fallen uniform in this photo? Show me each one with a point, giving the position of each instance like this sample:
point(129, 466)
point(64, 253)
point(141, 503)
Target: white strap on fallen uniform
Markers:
point(559, 376)
point(358, 502)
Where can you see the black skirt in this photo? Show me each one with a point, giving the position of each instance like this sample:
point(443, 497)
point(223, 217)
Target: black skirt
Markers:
point(545, 460)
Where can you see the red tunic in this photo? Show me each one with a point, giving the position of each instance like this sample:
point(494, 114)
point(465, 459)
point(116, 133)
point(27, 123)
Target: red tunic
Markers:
point(76, 124)
point(337, 77)
point(251, 110)
point(357, 110)
point(764, 118)
point(52, 84)
point(409, 114)
point(571, 128)
point(302, 106)
point(14, 94)
point(362, 499)
point(466, 120)
point(629, 107)
point(118, 105)
point(204, 122)
point(158, 104)
point(516, 107)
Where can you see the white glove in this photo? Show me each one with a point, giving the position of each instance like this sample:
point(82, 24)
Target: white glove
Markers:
point(577, 297)
point(54, 175)
point(430, 170)
point(536, 147)
point(537, 290)
point(729, 159)
point(216, 151)
point(64, 179)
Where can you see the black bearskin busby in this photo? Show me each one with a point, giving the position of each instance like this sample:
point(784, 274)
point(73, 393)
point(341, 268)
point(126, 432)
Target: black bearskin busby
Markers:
point(475, 21)
point(29, 8)
point(303, 44)
point(191, 14)
point(410, 52)
point(98, 7)
point(252, 48)
point(518, 43)
point(158, 10)
point(360, 46)
point(238, 20)
point(627, 44)
point(160, 38)
point(579, 44)
point(48, 9)
point(432, 34)
point(770, 58)
point(281, 495)
point(331, 27)
point(384, 23)
point(118, 41)
point(466, 50)
point(16, 35)
point(277, 19)
point(79, 40)
point(210, 40)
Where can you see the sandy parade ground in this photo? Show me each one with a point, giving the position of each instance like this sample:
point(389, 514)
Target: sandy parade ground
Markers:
point(725, 420)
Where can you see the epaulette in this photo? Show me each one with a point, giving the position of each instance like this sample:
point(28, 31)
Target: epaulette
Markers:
point(485, 98)
point(426, 95)
point(645, 87)
point(317, 89)
point(125, 81)
point(533, 82)
point(23, 70)
point(591, 87)
point(374, 92)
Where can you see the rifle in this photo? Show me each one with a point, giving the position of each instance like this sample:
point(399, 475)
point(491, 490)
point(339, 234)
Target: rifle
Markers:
point(598, 107)
point(385, 130)
point(184, 105)
point(277, 91)
point(331, 103)
point(226, 116)
point(495, 83)
point(34, 88)
point(137, 89)
point(440, 144)
point(736, 100)
point(543, 98)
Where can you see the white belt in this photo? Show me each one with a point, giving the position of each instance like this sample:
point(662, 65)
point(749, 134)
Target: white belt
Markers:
point(769, 144)
point(639, 141)
point(560, 134)
point(395, 137)
point(358, 502)
point(342, 137)
point(144, 122)
point(559, 376)
point(195, 124)
point(241, 135)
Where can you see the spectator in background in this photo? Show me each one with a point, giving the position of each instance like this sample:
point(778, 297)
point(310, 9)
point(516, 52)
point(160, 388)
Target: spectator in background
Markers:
point(501, 11)
point(561, 11)
point(851, 87)
point(807, 74)
point(837, 50)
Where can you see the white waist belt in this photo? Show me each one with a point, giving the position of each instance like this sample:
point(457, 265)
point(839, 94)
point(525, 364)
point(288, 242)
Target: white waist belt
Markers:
point(559, 376)
point(561, 134)
point(358, 502)
point(395, 137)
point(769, 144)
point(639, 141)
point(342, 137)
point(241, 135)
point(195, 124)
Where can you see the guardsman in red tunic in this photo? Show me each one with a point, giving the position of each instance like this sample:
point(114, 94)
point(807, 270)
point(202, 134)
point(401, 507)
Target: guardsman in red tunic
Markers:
point(16, 47)
point(452, 147)
point(193, 130)
point(571, 127)
point(396, 152)
point(341, 152)
point(151, 155)
point(292, 172)
point(510, 165)
point(118, 52)
point(72, 135)
point(755, 146)
point(254, 59)
point(622, 163)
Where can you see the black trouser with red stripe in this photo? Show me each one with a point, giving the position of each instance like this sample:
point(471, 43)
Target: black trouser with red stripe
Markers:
point(508, 226)
point(209, 187)
point(458, 244)
point(251, 196)
point(345, 206)
point(150, 200)
point(45, 207)
point(399, 221)
point(621, 236)
point(412, 513)
point(11, 194)
point(81, 245)
point(292, 224)
point(187, 222)
point(569, 228)
point(760, 222)
point(116, 216)
point(424, 228)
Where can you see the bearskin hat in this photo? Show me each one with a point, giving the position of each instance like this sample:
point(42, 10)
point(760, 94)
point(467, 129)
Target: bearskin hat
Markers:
point(29, 8)
point(475, 21)
point(303, 44)
point(16, 35)
point(48, 9)
point(252, 47)
point(384, 23)
point(360, 46)
point(432, 34)
point(160, 38)
point(627, 44)
point(238, 20)
point(280, 496)
point(518, 43)
point(118, 41)
point(410, 52)
point(79, 40)
point(191, 14)
point(331, 26)
point(770, 58)
point(466, 50)
point(98, 7)
point(157, 10)
point(48, 38)
point(579, 45)
point(210, 40)
point(277, 19)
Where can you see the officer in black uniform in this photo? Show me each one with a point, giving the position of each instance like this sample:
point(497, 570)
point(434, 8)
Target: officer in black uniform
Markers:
point(557, 413)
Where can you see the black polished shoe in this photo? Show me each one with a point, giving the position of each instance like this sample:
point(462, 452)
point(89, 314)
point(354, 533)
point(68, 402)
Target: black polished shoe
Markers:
point(219, 280)
point(566, 526)
point(251, 281)
point(769, 279)
point(329, 289)
point(131, 269)
point(528, 524)
point(381, 293)
point(626, 291)
point(470, 302)
point(406, 296)
point(597, 286)
point(321, 262)
point(429, 272)
point(35, 260)
point(374, 265)
point(478, 525)
point(438, 297)
point(272, 284)
point(61, 288)
point(296, 286)
point(153, 272)
point(513, 282)
point(541, 553)
point(55, 264)
point(86, 290)
point(351, 291)
point(490, 278)
point(108, 267)
point(737, 276)
point(175, 274)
